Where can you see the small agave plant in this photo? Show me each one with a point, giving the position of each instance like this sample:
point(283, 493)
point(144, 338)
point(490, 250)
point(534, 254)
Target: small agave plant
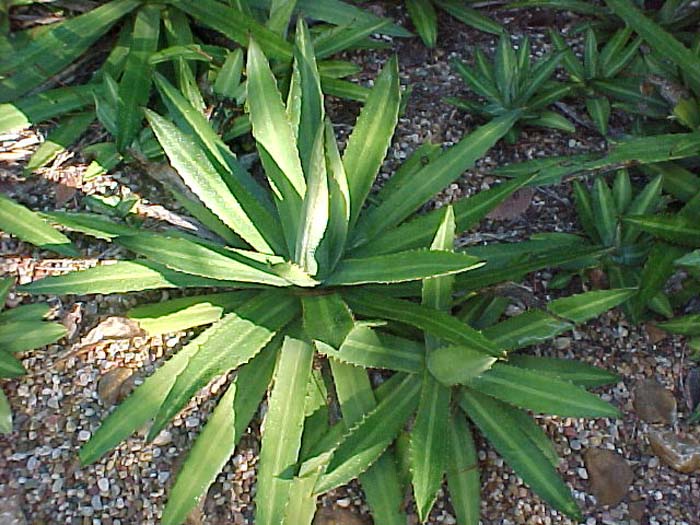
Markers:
point(513, 83)
point(319, 288)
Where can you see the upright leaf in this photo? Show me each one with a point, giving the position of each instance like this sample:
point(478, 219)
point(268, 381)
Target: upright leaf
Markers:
point(135, 84)
point(463, 472)
point(371, 136)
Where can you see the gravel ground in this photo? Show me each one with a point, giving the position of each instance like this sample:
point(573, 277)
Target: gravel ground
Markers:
point(70, 386)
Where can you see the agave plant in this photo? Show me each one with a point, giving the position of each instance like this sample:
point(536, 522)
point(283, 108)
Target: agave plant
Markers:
point(596, 77)
point(601, 211)
point(423, 14)
point(511, 83)
point(160, 37)
point(310, 274)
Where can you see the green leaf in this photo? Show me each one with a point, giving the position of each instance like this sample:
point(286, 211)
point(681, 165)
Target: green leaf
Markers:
point(371, 136)
point(417, 232)
point(576, 372)
point(315, 211)
point(521, 453)
point(644, 203)
point(589, 305)
point(534, 433)
point(437, 323)
point(672, 228)
point(424, 19)
point(605, 214)
point(280, 15)
point(432, 178)
point(661, 41)
point(622, 191)
point(345, 14)
point(26, 312)
point(5, 414)
point(135, 85)
point(429, 442)
point(236, 25)
point(120, 277)
point(228, 80)
point(684, 325)
point(186, 312)
point(528, 328)
point(513, 269)
point(452, 365)
point(283, 426)
point(276, 141)
point(229, 200)
point(339, 193)
point(402, 266)
point(658, 268)
point(230, 343)
point(370, 348)
point(94, 224)
point(43, 106)
point(599, 111)
point(463, 471)
point(10, 366)
point(590, 54)
point(5, 286)
point(553, 120)
point(369, 438)
point(470, 17)
point(482, 83)
point(339, 39)
point(17, 220)
point(20, 336)
point(505, 68)
point(186, 256)
point(56, 48)
point(437, 291)
point(526, 389)
point(66, 133)
point(209, 454)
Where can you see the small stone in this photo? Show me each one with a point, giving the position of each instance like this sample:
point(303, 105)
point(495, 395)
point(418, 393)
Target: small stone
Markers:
point(113, 328)
point(343, 502)
point(653, 403)
point(111, 387)
point(192, 422)
point(103, 484)
point(582, 473)
point(163, 477)
point(610, 475)
point(83, 435)
point(328, 516)
point(678, 452)
point(162, 439)
point(562, 343)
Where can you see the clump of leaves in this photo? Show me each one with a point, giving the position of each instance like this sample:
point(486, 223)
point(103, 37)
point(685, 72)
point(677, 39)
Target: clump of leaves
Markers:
point(155, 37)
point(424, 15)
point(596, 77)
point(21, 328)
point(632, 260)
point(512, 83)
point(311, 275)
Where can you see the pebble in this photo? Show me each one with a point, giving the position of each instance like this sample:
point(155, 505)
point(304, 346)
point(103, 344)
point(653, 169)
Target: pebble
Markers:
point(103, 484)
point(84, 435)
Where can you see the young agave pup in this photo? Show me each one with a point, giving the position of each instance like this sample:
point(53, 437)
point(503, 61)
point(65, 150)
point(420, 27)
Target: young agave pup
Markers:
point(301, 263)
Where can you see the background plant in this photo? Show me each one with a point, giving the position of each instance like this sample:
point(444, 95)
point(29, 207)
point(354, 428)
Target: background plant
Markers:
point(512, 83)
